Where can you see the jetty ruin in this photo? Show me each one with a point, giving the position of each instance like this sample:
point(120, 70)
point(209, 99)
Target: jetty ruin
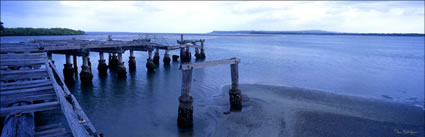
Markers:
point(31, 83)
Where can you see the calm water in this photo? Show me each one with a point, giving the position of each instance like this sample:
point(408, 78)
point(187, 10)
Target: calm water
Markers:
point(145, 104)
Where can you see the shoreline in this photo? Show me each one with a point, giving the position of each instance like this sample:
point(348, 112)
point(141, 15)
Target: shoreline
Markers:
point(283, 111)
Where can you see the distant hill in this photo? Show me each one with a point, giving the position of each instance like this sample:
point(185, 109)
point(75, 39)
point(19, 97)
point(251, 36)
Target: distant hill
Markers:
point(313, 32)
point(39, 31)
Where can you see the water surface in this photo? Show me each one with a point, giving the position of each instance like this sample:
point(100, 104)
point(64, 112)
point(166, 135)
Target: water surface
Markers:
point(145, 104)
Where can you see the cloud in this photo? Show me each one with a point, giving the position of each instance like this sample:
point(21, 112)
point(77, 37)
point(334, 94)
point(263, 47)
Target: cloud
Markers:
point(206, 16)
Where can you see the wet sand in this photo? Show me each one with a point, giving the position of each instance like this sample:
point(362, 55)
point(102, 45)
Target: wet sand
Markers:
point(271, 111)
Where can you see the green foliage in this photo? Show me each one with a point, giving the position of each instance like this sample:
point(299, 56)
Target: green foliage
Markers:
point(39, 31)
point(1, 26)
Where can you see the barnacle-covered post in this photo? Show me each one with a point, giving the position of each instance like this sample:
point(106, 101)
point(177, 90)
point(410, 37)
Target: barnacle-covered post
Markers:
point(185, 112)
point(86, 75)
point(102, 67)
point(68, 71)
point(121, 70)
point(132, 60)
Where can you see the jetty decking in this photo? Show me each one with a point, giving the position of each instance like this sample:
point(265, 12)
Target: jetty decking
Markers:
point(30, 83)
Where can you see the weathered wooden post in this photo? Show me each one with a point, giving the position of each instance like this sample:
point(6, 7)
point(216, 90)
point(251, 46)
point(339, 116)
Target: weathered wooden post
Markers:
point(102, 67)
point(89, 62)
point(149, 64)
point(75, 64)
point(109, 37)
point(121, 71)
point(110, 57)
point(50, 57)
point(197, 55)
point(132, 60)
point(185, 112)
point(182, 55)
point(19, 125)
point(235, 92)
point(68, 71)
point(188, 55)
point(85, 75)
point(113, 62)
point(167, 58)
point(156, 56)
point(202, 55)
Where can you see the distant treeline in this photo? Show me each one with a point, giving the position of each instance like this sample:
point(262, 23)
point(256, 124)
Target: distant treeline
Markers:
point(316, 32)
point(39, 31)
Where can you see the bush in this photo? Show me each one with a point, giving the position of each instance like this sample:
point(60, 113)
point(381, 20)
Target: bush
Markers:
point(39, 31)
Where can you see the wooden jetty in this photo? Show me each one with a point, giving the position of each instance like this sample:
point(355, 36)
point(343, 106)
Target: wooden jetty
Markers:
point(115, 48)
point(31, 83)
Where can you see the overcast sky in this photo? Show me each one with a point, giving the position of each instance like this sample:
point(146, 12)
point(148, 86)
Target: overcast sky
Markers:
point(202, 17)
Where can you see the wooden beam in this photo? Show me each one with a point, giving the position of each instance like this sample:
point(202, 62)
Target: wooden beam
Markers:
point(30, 108)
point(34, 85)
point(23, 74)
point(77, 120)
point(209, 63)
point(5, 100)
point(23, 56)
point(21, 62)
point(22, 91)
point(24, 82)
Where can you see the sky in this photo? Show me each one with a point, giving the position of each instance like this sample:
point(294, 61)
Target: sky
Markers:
point(207, 16)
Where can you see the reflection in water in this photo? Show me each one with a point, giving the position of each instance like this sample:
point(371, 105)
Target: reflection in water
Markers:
point(186, 132)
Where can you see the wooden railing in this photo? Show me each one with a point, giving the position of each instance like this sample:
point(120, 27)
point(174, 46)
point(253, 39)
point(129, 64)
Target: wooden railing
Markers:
point(78, 122)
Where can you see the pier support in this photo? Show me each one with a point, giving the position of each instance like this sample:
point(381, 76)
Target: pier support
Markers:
point(185, 107)
point(75, 64)
point(167, 58)
point(132, 61)
point(185, 112)
point(113, 62)
point(175, 58)
point(102, 67)
point(235, 92)
point(86, 75)
point(197, 55)
point(188, 55)
point(156, 57)
point(89, 62)
point(182, 55)
point(202, 54)
point(121, 70)
point(50, 57)
point(68, 71)
point(149, 64)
